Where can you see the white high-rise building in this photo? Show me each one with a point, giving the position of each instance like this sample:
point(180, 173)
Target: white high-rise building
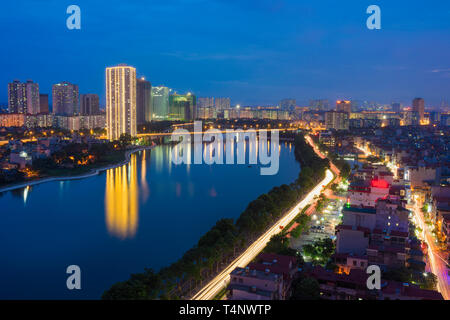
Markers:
point(120, 101)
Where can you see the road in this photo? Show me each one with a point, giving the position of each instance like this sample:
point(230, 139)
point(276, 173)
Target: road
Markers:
point(333, 168)
point(220, 281)
point(437, 263)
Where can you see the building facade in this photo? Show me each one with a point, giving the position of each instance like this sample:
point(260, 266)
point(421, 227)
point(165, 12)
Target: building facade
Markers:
point(160, 103)
point(182, 107)
point(344, 106)
point(205, 102)
point(288, 104)
point(12, 119)
point(65, 98)
point(337, 120)
point(418, 105)
point(23, 97)
point(43, 103)
point(143, 101)
point(89, 104)
point(222, 103)
point(120, 101)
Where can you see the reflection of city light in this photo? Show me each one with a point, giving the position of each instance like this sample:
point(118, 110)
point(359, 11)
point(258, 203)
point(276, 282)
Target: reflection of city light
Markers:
point(121, 200)
point(144, 184)
point(25, 194)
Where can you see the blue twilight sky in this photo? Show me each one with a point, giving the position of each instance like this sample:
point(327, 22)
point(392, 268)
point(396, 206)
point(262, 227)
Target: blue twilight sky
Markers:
point(254, 51)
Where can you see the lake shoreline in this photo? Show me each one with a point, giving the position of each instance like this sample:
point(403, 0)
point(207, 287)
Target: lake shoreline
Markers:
point(92, 173)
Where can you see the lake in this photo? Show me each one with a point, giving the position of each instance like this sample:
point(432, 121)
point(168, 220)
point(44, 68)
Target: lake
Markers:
point(144, 214)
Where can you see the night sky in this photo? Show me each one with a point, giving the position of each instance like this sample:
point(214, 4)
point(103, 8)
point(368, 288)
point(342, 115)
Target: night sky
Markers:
point(256, 52)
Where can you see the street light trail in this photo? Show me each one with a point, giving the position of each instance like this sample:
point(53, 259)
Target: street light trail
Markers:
point(438, 265)
point(215, 285)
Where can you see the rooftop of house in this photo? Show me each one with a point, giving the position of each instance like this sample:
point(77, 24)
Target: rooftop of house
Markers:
point(368, 210)
point(409, 290)
point(275, 263)
point(250, 289)
point(349, 255)
point(257, 274)
point(390, 249)
point(397, 233)
point(356, 276)
point(359, 184)
point(394, 233)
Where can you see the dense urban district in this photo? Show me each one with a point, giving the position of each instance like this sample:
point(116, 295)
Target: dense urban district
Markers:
point(373, 189)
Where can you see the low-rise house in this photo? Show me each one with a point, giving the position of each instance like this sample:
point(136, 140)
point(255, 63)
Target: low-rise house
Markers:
point(393, 290)
point(387, 256)
point(347, 261)
point(268, 278)
point(246, 284)
point(21, 158)
point(353, 286)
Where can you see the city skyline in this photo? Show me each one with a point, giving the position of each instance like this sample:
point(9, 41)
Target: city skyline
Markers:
point(310, 102)
point(274, 151)
point(287, 55)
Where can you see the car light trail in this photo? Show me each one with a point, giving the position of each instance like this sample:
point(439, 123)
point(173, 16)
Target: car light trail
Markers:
point(437, 264)
point(215, 285)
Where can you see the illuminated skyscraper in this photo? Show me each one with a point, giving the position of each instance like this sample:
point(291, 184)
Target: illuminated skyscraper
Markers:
point(143, 101)
point(120, 101)
point(396, 107)
point(319, 104)
point(89, 104)
point(182, 107)
point(337, 120)
point(205, 102)
point(288, 104)
point(160, 103)
point(23, 97)
point(343, 106)
point(419, 107)
point(222, 103)
point(65, 98)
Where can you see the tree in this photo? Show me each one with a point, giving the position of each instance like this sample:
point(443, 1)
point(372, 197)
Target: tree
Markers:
point(320, 251)
point(140, 286)
point(428, 281)
point(125, 140)
point(305, 289)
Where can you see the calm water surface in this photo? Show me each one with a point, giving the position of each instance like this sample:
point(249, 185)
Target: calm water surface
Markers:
point(144, 214)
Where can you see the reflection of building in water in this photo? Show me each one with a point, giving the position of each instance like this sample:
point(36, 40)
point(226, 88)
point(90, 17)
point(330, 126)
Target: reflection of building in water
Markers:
point(144, 185)
point(158, 155)
point(121, 200)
